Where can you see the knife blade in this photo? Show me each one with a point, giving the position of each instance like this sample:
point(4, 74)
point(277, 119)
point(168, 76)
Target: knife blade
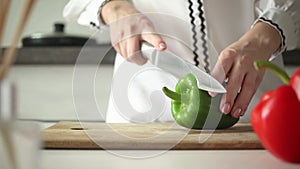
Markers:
point(178, 67)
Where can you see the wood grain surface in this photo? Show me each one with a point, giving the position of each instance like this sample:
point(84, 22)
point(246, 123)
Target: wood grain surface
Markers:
point(150, 136)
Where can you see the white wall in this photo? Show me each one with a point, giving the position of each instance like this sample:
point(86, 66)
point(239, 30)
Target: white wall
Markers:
point(42, 18)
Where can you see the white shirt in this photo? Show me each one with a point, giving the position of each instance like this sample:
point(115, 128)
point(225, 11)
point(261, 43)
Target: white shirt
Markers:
point(226, 22)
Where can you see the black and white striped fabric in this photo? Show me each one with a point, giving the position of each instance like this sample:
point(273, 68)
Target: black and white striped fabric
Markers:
point(197, 17)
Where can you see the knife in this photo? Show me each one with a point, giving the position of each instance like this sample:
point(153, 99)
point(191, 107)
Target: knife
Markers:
point(178, 67)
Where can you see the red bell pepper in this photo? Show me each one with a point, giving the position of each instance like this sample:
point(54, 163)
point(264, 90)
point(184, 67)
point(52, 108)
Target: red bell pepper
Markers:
point(276, 118)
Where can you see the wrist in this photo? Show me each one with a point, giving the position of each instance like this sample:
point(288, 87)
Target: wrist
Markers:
point(115, 9)
point(99, 13)
point(264, 37)
point(269, 36)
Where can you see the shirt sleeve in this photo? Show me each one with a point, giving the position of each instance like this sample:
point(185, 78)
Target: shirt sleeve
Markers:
point(84, 12)
point(284, 15)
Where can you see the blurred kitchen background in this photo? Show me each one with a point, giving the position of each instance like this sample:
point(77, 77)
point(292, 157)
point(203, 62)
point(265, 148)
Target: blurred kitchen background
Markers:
point(43, 17)
point(44, 66)
point(43, 74)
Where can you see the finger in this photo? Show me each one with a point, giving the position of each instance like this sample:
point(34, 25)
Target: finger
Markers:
point(219, 74)
point(233, 86)
point(155, 40)
point(149, 34)
point(212, 94)
point(249, 86)
point(123, 49)
point(116, 35)
point(117, 48)
point(118, 43)
point(224, 65)
point(133, 51)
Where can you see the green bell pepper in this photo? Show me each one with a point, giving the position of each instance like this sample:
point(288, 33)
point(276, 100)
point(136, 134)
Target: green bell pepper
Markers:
point(191, 105)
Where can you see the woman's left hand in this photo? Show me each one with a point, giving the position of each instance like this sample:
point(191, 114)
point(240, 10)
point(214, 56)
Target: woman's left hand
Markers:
point(235, 66)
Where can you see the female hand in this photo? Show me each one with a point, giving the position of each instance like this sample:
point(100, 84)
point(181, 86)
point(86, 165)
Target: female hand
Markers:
point(235, 65)
point(128, 28)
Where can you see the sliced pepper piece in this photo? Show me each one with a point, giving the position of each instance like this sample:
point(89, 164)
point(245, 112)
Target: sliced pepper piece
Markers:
point(191, 105)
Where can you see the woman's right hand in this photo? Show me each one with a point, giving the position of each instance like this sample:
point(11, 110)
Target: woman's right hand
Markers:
point(128, 28)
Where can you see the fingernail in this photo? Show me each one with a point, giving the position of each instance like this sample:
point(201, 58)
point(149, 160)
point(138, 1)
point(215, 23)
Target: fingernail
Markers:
point(237, 112)
point(212, 94)
point(226, 108)
point(162, 46)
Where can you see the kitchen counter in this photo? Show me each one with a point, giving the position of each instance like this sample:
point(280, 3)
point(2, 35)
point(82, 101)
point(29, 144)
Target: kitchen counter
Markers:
point(69, 55)
point(63, 55)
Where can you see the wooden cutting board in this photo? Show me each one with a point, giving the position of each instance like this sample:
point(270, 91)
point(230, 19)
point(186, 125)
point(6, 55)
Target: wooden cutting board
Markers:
point(151, 136)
